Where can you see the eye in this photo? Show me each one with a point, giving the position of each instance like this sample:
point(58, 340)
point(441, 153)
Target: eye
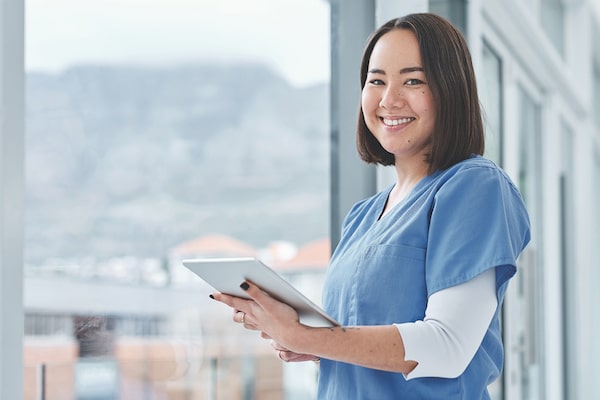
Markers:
point(376, 82)
point(413, 82)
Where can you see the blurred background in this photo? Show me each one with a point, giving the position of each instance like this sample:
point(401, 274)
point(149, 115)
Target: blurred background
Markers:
point(158, 130)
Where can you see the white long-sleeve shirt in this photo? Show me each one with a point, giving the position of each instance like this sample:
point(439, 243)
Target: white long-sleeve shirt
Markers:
point(456, 320)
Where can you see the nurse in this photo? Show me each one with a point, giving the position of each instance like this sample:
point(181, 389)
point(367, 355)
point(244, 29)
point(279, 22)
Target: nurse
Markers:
point(421, 269)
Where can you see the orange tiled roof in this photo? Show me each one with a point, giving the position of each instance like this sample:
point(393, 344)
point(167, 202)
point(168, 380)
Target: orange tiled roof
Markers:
point(215, 245)
point(313, 255)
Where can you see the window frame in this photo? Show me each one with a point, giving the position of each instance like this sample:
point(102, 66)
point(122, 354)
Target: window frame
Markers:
point(12, 88)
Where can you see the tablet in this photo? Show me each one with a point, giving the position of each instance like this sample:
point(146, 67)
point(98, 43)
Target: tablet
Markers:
point(226, 275)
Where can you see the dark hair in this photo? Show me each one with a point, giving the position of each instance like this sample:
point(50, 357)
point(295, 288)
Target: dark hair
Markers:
point(458, 131)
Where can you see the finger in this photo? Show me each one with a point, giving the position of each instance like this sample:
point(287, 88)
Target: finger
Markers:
point(239, 316)
point(290, 356)
point(261, 297)
point(265, 302)
point(277, 346)
point(236, 303)
point(294, 357)
point(264, 335)
point(283, 355)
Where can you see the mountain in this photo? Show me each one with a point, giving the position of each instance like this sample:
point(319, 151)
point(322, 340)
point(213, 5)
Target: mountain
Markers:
point(130, 161)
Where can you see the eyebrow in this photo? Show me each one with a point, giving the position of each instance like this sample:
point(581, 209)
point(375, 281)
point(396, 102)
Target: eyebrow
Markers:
point(406, 70)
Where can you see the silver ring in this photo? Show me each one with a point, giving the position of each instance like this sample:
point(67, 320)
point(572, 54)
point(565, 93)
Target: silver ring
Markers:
point(243, 318)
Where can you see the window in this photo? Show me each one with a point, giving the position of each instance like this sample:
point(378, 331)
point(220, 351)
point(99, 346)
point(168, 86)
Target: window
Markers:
point(490, 92)
point(595, 294)
point(568, 269)
point(491, 99)
point(552, 14)
point(156, 131)
point(530, 292)
point(596, 96)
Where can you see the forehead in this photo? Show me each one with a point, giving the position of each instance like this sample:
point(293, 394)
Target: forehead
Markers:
point(396, 47)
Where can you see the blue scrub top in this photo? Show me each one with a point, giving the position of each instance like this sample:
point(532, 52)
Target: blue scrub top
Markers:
point(454, 225)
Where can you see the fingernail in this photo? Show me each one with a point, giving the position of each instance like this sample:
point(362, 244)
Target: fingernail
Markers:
point(211, 296)
point(244, 285)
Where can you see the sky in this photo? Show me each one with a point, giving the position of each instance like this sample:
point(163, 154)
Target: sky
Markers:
point(291, 36)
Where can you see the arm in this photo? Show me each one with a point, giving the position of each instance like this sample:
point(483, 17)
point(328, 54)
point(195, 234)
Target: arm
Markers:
point(443, 343)
point(371, 346)
point(456, 320)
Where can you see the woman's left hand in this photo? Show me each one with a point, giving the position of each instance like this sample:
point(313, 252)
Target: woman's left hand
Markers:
point(262, 312)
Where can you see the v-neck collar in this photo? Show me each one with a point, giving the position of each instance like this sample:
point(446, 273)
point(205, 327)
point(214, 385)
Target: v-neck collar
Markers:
point(386, 194)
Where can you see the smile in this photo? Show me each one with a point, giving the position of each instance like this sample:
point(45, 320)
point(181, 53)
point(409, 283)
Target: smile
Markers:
point(395, 122)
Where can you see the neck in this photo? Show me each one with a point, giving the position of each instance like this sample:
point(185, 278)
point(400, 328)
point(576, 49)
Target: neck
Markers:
point(406, 180)
point(407, 176)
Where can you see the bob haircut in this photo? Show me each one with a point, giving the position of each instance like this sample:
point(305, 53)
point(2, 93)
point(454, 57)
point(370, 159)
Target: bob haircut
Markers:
point(458, 129)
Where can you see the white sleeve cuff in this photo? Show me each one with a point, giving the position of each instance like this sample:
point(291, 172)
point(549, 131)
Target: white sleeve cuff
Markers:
point(456, 320)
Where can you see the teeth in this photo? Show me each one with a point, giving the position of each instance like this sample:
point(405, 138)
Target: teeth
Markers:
point(394, 122)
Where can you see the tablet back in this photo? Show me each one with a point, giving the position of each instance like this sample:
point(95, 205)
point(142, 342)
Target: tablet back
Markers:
point(226, 275)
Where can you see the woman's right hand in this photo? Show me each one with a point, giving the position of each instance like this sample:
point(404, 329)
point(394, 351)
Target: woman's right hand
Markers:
point(288, 355)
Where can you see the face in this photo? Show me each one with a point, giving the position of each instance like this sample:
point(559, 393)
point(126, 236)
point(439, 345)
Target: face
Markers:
point(396, 100)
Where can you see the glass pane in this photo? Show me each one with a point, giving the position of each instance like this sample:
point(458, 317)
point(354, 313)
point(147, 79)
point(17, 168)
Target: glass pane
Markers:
point(568, 282)
point(490, 89)
point(530, 264)
point(595, 272)
point(596, 97)
point(160, 130)
point(490, 92)
point(553, 22)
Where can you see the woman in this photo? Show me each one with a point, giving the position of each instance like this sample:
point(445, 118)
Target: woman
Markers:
point(421, 269)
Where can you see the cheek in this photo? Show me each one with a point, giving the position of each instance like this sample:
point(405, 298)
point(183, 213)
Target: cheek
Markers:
point(429, 104)
point(363, 104)
point(368, 102)
point(430, 111)
point(427, 108)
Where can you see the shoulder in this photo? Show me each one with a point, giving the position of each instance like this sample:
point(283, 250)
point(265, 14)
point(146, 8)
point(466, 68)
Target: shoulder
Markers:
point(477, 185)
point(475, 172)
point(478, 221)
point(472, 166)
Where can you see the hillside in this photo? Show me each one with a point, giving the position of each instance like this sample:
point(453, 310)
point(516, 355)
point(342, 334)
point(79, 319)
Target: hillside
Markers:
point(131, 161)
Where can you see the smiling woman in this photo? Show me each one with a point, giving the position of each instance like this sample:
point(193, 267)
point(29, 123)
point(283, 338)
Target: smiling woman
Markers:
point(396, 100)
point(420, 272)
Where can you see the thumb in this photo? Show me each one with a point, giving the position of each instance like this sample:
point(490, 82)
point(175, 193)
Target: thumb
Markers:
point(255, 293)
point(269, 303)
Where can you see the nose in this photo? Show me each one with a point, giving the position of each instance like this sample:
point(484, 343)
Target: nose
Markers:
point(392, 97)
